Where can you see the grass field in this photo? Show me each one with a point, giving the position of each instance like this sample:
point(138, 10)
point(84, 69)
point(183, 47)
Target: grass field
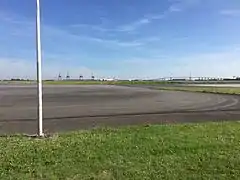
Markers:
point(197, 151)
point(216, 90)
point(106, 82)
point(90, 82)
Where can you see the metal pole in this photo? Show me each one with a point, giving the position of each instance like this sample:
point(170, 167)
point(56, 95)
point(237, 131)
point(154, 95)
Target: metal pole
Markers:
point(39, 70)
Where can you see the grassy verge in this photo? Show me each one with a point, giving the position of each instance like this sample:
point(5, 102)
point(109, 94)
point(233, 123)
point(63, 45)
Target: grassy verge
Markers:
point(216, 90)
point(199, 151)
point(122, 82)
point(107, 82)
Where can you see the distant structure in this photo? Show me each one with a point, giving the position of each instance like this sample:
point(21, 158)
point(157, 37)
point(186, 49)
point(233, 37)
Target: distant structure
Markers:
point(59, 77)
point(190, 77)
point(92, 77)
point(68, 76)
point(81, 77)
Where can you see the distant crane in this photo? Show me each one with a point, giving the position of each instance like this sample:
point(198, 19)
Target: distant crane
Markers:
point(59, 77)
point(190, 77)
point(81, 77)
point(68, 76)
point(92, 77)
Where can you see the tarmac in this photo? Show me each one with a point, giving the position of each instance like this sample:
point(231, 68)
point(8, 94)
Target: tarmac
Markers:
point(69, 107)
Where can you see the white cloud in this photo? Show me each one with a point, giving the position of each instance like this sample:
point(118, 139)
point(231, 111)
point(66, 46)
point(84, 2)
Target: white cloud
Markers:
point(150, 39)
point(224, 63)
point(26, 28)
point(15, 68)
point(19, 26)
point(125, 28)
point(181, 5)
point(176, 6)
point(174, 9)
point(231, 12)
point(20, 68)
point(218, 64)
point(91, 27)
point(134, 25)
point(111, 43)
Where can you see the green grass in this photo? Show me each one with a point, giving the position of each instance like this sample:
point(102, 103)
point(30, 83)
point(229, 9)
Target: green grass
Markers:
point(73, 82)
point(107, 82)
point(216, 90)
point(17, 82)
point(122, 82)
point(199, 151)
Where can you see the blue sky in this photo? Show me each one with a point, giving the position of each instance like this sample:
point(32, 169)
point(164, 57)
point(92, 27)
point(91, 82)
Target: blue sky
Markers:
point(122, 38)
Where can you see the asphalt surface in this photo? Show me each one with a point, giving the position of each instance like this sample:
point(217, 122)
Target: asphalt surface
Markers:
point(82, 107)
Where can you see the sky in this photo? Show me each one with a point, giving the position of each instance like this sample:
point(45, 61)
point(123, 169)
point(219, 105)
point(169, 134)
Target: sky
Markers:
point(121, 38)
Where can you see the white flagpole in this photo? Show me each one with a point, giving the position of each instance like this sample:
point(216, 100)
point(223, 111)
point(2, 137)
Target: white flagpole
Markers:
point(39, 70)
